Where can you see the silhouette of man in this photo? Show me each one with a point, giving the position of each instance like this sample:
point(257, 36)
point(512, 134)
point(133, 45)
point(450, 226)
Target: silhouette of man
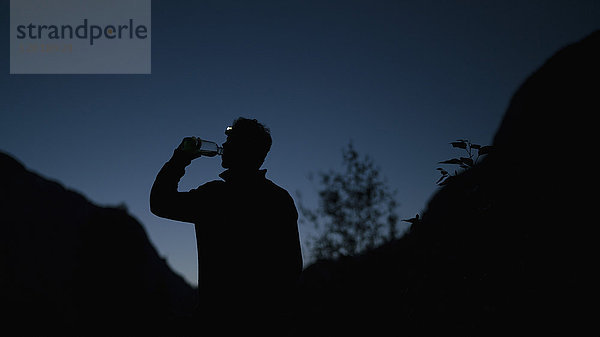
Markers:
point(249, 254)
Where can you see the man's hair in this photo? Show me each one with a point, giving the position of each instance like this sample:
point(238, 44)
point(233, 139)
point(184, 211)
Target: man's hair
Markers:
point(255, 135)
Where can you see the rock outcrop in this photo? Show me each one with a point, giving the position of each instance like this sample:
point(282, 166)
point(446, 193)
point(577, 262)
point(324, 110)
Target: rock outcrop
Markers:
point(69, 267)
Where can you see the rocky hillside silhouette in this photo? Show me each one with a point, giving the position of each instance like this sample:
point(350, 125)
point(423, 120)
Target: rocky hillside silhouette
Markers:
point(506, 247)
point(69, 267)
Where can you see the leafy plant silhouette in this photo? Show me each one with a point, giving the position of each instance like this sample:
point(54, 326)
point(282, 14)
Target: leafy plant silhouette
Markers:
point(356, 209)
point(473, 153)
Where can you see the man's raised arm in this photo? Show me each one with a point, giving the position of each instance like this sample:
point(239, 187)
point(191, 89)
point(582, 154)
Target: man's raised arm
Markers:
point(165, 200)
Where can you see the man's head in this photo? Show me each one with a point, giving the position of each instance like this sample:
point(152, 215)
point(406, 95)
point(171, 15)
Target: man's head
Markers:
point(247, 145)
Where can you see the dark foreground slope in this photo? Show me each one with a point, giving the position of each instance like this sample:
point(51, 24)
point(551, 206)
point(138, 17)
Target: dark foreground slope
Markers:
point(505, 247)
point(68, 267)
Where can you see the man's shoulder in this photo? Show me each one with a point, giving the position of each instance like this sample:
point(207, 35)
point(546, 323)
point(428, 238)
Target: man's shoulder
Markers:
point(282, 192)
point(213, 184)
point(281, 200)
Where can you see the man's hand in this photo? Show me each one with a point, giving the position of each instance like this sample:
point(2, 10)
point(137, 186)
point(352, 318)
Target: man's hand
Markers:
point(188, 149)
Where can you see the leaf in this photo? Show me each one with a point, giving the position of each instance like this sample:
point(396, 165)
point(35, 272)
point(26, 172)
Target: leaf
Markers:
point(451, 161)
point(485, 150)
point(467, 161)
point(441, 178)
point(460, 144)
point(412, 220)
point(442, 171)
point(445, 182)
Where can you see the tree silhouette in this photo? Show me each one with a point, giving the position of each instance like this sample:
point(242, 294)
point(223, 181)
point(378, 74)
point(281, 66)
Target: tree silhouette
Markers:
point(356, 209)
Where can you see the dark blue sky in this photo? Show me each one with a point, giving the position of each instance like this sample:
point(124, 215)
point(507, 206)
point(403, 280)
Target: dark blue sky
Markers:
point(400, 79)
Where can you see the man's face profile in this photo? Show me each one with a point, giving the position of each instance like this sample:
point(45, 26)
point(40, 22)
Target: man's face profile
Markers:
point(233, 152)
point(228, 152)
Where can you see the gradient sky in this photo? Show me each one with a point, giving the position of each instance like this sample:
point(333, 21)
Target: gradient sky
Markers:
point(400, 79)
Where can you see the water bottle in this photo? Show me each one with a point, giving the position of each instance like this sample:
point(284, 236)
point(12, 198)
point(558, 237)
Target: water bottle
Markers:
point(204, 147)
